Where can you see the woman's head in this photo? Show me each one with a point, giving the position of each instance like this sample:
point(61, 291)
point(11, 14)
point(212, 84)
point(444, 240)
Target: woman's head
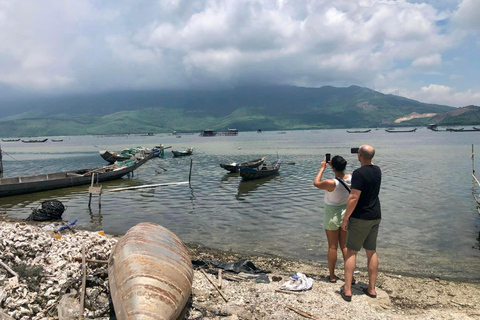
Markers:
point(338, 163)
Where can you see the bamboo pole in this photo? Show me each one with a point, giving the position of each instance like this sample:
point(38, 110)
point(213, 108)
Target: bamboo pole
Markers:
point(190, 174)
point(148, 186)
point(300, 312)
point(8, 269)
point(473, 161)
point(214, 285)
point(84, 283)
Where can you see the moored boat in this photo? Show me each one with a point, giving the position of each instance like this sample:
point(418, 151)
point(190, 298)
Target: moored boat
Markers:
point(58, 180)
point(35, 140)
point(263, 171)
point(233, 167)
point(131, 153)
point(185, 152)
point(10, 140)
point(150, 274)
point(359, 131)
point(400, 131)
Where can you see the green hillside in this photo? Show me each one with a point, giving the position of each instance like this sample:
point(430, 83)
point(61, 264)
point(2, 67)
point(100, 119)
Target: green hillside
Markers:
point(266, 108)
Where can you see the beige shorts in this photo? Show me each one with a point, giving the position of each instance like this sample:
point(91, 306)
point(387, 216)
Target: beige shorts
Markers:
point(333, 216)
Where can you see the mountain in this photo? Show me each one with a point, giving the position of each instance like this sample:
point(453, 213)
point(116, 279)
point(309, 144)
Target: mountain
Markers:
point(243, 108)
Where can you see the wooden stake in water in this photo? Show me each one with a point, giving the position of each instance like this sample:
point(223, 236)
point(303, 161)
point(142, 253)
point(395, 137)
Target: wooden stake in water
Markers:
point(190, 175)
point(473, 160)
point(1, 162)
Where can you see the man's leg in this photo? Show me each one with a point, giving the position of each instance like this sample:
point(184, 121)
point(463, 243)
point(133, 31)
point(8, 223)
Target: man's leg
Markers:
point(350, 263)
point(372, 263)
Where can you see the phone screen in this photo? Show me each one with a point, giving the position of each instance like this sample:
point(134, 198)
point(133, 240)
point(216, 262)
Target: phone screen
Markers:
point(327, 157)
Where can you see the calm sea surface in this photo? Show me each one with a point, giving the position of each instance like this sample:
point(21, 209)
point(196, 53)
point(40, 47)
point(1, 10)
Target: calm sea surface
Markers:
point(430, 223)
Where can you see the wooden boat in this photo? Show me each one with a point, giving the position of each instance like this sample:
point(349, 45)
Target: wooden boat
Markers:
point(260, 172)
point(10, 140)
point(51, 181)
point(130, 153)
point(150, 274)
point(455, 130)
point(233, 167)
point(185, 152)
point(359, 131)
point(400, 131)
point(111, 156)
point(56, 140)
point(34, 140)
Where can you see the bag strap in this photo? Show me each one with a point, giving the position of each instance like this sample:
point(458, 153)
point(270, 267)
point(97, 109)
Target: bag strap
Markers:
point(343, 183)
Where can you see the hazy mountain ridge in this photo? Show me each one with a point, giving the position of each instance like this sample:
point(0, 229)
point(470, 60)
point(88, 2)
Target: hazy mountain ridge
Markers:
point(244, 108)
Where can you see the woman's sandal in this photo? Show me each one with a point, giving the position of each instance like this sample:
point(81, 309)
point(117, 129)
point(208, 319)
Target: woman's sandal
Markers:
point(334, 280)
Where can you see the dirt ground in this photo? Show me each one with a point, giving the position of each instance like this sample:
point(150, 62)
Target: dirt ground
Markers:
point(398, 297)
point(240, 296)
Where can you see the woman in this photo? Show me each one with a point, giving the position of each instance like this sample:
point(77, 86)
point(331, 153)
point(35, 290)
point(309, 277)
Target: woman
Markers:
point(335, 204)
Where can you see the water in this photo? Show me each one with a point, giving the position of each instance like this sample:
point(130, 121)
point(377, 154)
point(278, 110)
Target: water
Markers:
point(430, 223)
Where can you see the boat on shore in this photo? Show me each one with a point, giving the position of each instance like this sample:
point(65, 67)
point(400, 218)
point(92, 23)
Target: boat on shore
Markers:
point(265, 170)
point(150, 274)
point(183, 153)
point(50, 181)
point(359, 131)
point(35, 140)
point(400, 131)
point(233, 167)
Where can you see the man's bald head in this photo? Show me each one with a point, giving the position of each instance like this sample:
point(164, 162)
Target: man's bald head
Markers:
point(367, 152)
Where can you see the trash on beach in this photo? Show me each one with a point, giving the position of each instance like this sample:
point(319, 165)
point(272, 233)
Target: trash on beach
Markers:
point(238, 266)
point(67, 226)
point(298, 282)
point(51, 210)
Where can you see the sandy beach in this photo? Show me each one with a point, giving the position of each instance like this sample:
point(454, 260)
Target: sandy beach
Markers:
point(49, 278)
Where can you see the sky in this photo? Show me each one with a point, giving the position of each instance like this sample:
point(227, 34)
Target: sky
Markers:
point(427, 50)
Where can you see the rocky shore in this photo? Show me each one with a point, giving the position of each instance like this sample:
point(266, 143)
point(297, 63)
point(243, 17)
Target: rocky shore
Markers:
point(48, 270)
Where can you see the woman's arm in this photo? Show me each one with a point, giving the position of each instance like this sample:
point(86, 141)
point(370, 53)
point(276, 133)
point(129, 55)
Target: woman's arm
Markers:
point(328, 184)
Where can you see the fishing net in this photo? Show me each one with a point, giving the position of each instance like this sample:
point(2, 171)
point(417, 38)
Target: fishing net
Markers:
point(50, 210)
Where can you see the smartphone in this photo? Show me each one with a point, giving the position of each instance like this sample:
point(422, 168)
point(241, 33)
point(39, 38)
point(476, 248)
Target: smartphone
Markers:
point(354, 150)
point(327, 157)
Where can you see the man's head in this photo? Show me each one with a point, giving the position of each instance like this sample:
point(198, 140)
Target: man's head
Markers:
point(366, 153)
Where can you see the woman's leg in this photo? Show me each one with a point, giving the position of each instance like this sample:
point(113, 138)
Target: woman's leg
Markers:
point(342, 240)
point(332, 238)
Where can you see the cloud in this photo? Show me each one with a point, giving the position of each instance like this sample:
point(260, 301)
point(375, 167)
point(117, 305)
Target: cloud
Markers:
point(69, 46)
point(444, 95)
point(428, 62)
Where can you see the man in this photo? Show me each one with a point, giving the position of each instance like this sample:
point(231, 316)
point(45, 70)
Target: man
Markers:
point(362, 219)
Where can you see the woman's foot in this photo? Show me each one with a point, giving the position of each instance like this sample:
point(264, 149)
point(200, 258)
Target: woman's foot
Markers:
point(334, 279)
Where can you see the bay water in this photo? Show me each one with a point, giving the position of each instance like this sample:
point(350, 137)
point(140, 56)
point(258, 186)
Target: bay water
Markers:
point(430, 225)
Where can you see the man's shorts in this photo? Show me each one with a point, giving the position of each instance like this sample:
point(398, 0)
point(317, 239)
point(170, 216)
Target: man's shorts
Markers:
point(362, 233)
point(333, 216)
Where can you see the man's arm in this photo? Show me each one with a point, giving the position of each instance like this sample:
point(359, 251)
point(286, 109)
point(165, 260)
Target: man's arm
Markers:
point(351, 204)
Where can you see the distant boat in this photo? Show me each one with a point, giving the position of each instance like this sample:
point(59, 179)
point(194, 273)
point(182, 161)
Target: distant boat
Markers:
point(185, 152)
point(260, 172)
point(399, 131)
point(359, 131)
point(454, 130)
point(10, 140)
point(233, 167)
point(35, 140)
point(56, 140)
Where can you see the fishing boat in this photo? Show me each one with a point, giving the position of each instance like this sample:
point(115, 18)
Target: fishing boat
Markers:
point(10, 140)
point(359, 131)
point(51, 181)
point(130, 153)
point(56, 140)
point(400, 131)
point(233, 167)
point(35, 140)
point(185, 152)
point(263, 171)
point(150, 274)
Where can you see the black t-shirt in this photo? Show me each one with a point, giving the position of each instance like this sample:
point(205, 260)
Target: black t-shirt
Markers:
point(367, 179)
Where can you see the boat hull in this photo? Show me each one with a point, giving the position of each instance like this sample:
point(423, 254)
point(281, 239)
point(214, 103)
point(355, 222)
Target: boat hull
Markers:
point(258, 173)
point(51, 181)
point(150, 274)
point(249, 164)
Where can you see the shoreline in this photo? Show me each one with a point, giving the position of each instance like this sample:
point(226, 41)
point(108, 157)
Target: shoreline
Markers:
point(399, 296)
